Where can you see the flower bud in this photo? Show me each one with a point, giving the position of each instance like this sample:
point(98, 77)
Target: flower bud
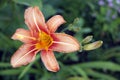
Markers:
point(87, 39)
point(93, 45)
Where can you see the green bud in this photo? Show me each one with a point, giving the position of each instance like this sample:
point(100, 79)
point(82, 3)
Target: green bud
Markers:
point(93, 45)
point(87, 39)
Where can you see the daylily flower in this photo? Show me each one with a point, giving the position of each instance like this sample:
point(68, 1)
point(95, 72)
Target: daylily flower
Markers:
point(41, 36)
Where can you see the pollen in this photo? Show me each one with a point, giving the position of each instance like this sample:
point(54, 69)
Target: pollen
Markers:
point(44, 41)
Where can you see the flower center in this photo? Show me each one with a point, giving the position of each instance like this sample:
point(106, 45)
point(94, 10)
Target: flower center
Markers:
point(44, 41)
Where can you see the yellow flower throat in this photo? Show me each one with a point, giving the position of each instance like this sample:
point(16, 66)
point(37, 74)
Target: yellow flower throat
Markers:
point(44, 41)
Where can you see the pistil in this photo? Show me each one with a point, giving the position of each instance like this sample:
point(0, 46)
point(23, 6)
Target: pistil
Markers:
point(44, 41)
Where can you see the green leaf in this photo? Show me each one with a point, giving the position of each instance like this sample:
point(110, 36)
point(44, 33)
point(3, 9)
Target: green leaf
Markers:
point(26, 69)
point(71, 56)
point(112, 52)
point(81, 72)
point(75, 78)
point(100, 76)
point(10, 72)
point(2, 64)
point(100, 65)
point(30, 2)
point(15, 71)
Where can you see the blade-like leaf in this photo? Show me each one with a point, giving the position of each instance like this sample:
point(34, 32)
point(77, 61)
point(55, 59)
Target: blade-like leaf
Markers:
point(100, 65)
point(81, 72)
point(26, 69)
point(100, 76)
point(75, 78)
point(10, 72)
point(4, 64)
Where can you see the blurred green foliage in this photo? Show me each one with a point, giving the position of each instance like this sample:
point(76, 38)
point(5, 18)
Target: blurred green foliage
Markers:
point(84, 17)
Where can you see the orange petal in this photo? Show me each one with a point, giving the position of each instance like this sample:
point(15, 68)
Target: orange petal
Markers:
point(49, 61)
point(54, 22)
point(23, 35)
point(23, 56)
point(64, 43)
point(35, 19)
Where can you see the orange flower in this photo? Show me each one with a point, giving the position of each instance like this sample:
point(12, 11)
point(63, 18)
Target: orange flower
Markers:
point(41, 36)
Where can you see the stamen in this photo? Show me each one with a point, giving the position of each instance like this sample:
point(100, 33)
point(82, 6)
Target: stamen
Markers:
point(44, 41)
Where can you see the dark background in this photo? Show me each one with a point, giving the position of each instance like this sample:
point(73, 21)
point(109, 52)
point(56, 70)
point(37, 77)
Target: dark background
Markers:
point(100, 18)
